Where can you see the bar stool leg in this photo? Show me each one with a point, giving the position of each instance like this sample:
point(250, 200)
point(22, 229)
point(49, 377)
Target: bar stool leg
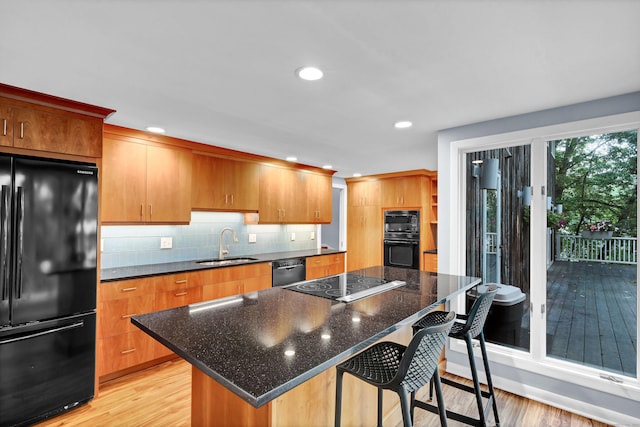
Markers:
point(379, 407)
point(476, 381)
point(338, 411)
point(404, 404)
point(441, 408)
point(485, 359)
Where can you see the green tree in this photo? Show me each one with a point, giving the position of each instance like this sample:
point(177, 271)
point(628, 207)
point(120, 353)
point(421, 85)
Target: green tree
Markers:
point(596, 179)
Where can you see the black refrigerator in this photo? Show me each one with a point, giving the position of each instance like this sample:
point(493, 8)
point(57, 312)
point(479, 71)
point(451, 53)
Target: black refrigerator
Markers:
point(48, 259)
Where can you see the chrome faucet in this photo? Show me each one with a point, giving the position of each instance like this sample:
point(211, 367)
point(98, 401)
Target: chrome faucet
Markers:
point(222, 251)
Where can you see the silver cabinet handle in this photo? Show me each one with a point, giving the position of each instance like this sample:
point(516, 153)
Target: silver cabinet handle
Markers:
point(4, 127)
point(21, 130)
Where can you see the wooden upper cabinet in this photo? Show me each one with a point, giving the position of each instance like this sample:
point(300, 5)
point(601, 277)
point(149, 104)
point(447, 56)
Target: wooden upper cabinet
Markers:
point(224, 184)
point(364, 193)
point(403, 191)
point(168, 185)
point(294, 196)
point(59, 133)
point(280, 198)
point(318, 193)
point(144, 183)
point(44, 123)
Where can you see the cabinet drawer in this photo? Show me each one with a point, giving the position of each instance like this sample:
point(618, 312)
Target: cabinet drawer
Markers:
point(124, 351)
point(126, 289)
point(171, 282)
point(115, 315)
point(177, 298)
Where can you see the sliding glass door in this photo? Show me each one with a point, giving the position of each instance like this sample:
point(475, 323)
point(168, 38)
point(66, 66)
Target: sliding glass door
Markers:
point(554, 223)
point(591, 287)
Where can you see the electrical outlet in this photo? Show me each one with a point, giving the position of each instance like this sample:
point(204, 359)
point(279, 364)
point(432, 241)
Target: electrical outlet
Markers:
point(166, 242)
point(313, 235)
point(252, 238)
point(101, 245)
point(293, 236)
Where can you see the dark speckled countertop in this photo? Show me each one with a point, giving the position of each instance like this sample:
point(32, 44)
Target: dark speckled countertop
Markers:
point(241, 341)
point(121, 273)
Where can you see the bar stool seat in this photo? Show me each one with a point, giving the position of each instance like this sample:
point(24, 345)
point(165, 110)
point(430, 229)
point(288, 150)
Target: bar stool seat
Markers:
point(403, 369)
point(470, 327)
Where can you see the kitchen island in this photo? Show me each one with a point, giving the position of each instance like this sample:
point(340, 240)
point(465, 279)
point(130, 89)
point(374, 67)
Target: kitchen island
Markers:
point(264, 358)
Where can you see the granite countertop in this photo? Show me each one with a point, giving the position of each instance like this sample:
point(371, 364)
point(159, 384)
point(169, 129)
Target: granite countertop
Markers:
point(240, 341)
point(111, 274)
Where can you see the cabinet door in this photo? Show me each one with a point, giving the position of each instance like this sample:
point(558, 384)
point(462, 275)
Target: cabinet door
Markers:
point(36, 130)
point(319, 198)
point(124, 181)
point(223, 184)
point(242, 184)
point(168, 185)
point(364, 237)
point(6, 125)
point(364, 193)
point(402, 192)
point(273, 187)
point(206, 183)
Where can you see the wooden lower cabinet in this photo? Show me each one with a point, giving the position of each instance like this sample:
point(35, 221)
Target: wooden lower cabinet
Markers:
point(122, 346)
point(123, 351)
point(324, 265)
point(214, 405)
point(224, 282)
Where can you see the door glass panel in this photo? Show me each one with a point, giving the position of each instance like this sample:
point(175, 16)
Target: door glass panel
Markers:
point(592, 251)
point(498, 196)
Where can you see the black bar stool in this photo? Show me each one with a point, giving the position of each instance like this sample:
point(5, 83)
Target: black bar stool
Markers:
point(471, 328)
point(403, 369)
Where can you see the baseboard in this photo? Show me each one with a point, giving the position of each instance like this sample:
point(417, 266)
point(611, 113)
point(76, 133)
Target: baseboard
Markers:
point(547, 397)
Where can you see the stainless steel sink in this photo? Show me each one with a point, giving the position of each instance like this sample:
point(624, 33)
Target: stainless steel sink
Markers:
point(226, 261)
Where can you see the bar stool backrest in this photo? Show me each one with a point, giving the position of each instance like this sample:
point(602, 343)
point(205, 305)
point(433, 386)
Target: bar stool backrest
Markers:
point(420, 359)
point(479, 311)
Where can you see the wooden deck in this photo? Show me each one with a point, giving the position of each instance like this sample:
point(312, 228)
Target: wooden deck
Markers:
point(592, 314)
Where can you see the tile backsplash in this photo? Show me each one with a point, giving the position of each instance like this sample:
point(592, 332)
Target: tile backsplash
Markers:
point(129, 245)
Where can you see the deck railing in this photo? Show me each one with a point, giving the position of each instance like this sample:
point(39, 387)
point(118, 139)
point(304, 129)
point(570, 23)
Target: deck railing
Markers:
point(616, 250)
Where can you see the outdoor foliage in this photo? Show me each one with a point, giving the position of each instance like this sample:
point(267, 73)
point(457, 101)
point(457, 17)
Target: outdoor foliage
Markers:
point(596, 180)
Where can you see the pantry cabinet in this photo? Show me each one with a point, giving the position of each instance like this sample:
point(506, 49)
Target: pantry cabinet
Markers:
point(144, 183)
point(224, 185)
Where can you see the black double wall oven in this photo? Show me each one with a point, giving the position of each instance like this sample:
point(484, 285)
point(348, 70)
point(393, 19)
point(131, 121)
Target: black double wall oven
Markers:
point(402, 239)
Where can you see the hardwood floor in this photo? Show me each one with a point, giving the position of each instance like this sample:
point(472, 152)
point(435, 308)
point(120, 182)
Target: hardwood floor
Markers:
point(160, 396)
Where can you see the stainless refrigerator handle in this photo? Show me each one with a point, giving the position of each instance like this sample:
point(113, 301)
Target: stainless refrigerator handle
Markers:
point(20, 222)
point(4, 208)
point(39, 334)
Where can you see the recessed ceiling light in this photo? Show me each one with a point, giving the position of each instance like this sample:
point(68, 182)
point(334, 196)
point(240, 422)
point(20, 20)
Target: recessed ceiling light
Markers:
point(309, 73)
point(327, 167)
point(292, 159)
point(403, 125)
point(357, 174)
point(155, 129)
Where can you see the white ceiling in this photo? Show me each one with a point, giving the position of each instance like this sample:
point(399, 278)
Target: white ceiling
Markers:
point(222, 72)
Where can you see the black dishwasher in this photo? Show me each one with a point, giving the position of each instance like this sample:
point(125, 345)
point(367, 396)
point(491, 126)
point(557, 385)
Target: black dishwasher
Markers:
point(288, 271)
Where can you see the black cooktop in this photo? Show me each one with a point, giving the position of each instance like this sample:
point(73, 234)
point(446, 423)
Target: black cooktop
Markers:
point(345, 287)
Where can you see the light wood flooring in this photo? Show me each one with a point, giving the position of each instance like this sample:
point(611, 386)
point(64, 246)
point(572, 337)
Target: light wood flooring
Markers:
point(160, 396)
